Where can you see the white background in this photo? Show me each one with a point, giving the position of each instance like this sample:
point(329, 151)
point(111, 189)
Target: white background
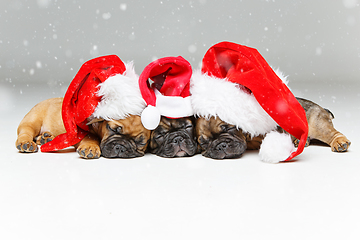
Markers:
point(61, 196)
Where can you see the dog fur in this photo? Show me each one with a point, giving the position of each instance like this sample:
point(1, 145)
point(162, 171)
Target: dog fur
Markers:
point(125, 138)
point(174, 138)
point(211, 134)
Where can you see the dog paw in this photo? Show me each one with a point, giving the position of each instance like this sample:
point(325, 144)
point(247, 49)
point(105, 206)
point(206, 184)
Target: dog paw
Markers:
point(340, 144)
point(297, 141)
point(89, 152)
point(44, 138)
point(27, 147)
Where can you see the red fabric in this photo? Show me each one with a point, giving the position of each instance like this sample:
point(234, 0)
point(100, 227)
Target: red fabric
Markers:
point(80, 100)
point(171, 76)
point(245, 66)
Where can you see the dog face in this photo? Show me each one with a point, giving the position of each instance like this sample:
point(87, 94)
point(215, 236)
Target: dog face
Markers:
point(126, 138)
point(219, 140)
point(174, 138)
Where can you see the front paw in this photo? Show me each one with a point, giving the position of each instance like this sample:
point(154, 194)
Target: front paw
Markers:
point(44, 138)
point(89, 151)
point(340, 144)
point(297, 141)
point(26, 146)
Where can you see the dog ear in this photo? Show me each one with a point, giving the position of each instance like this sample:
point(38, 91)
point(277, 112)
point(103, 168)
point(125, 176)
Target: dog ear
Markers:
point(95, 120)
point(331, 114)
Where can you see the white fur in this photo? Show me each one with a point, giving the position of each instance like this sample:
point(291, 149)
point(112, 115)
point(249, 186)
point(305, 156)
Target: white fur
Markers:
point(276, 147)
point(173, 106)
point(120, 96)
point(217, 97)
point(282, 76)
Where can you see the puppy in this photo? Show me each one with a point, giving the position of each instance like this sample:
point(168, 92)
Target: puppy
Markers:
point(174, 138)
point(125, 138)
point(219, 140)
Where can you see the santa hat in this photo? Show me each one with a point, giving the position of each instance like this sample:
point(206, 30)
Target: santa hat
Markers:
point(103, 88)
point(165, 86)
point(237, 85)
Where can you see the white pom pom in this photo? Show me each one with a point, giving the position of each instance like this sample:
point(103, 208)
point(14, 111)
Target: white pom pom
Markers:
point(276, 147)
point(150, 117)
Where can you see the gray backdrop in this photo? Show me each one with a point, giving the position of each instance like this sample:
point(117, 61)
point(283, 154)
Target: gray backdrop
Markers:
point(46, 41)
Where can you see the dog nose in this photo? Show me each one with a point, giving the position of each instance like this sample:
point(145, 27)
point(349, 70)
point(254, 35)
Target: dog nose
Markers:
point(120, 148)
point(178, 139)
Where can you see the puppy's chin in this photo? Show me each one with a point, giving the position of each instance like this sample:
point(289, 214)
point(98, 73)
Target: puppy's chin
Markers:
point(176, 144)
point(119, 147)
point(224, 147)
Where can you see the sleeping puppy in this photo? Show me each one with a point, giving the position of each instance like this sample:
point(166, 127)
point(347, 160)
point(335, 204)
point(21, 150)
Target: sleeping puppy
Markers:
point(219, 140)
point(174, 138)
point(125, 138)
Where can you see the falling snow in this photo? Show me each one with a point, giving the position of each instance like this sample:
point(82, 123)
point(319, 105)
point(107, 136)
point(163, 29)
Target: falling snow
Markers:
point(351, 3)
point(38, 64)
point(106, 16)
point(192, 48)
point(123, 6)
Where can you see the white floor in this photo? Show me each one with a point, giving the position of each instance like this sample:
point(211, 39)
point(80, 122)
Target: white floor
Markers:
point(61, 196)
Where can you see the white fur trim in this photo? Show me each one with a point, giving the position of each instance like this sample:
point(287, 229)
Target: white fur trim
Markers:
point(120, 96)
point(276, 147)
point(217, 97)
point(173, 106)
point(282, 76)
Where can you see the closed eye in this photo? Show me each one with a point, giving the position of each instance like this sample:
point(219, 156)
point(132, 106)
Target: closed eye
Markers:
point(141, 141)
point(227, 128)
point(160, 135)
point(115, 130)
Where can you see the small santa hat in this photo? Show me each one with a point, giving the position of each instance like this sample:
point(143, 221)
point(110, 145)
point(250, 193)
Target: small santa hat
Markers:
point(168, 91)
point(104, 88)
point(237, 85)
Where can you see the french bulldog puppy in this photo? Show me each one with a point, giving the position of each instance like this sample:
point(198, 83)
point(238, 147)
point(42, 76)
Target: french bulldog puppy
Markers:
point(125, 138)
point(219, 140)
point(174, 138)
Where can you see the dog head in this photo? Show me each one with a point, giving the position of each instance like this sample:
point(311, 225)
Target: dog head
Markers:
point(125, 138)
point(219, 140)
point(174, 138)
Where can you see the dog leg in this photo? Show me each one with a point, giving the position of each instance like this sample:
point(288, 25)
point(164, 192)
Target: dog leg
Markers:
point(339, 143)
point(89, 147)
point(321, 127)
point(44, 116)
point(44, 138)
point(25, 141)
point(29, 128)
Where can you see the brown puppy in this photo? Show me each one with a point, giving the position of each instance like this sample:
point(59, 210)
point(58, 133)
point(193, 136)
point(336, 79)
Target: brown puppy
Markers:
point(125, 138)
point(220, 140)
point(174, 138)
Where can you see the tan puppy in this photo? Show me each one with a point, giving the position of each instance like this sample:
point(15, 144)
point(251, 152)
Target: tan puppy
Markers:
point(125, 138)
point(220, 140)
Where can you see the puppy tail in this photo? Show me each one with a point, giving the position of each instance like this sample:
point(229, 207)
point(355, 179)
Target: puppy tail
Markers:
point(276, 147)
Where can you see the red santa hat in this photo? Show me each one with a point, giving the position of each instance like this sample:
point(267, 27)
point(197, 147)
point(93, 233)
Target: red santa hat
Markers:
point(237, 85)
point(104, 88)
point(165, 86)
